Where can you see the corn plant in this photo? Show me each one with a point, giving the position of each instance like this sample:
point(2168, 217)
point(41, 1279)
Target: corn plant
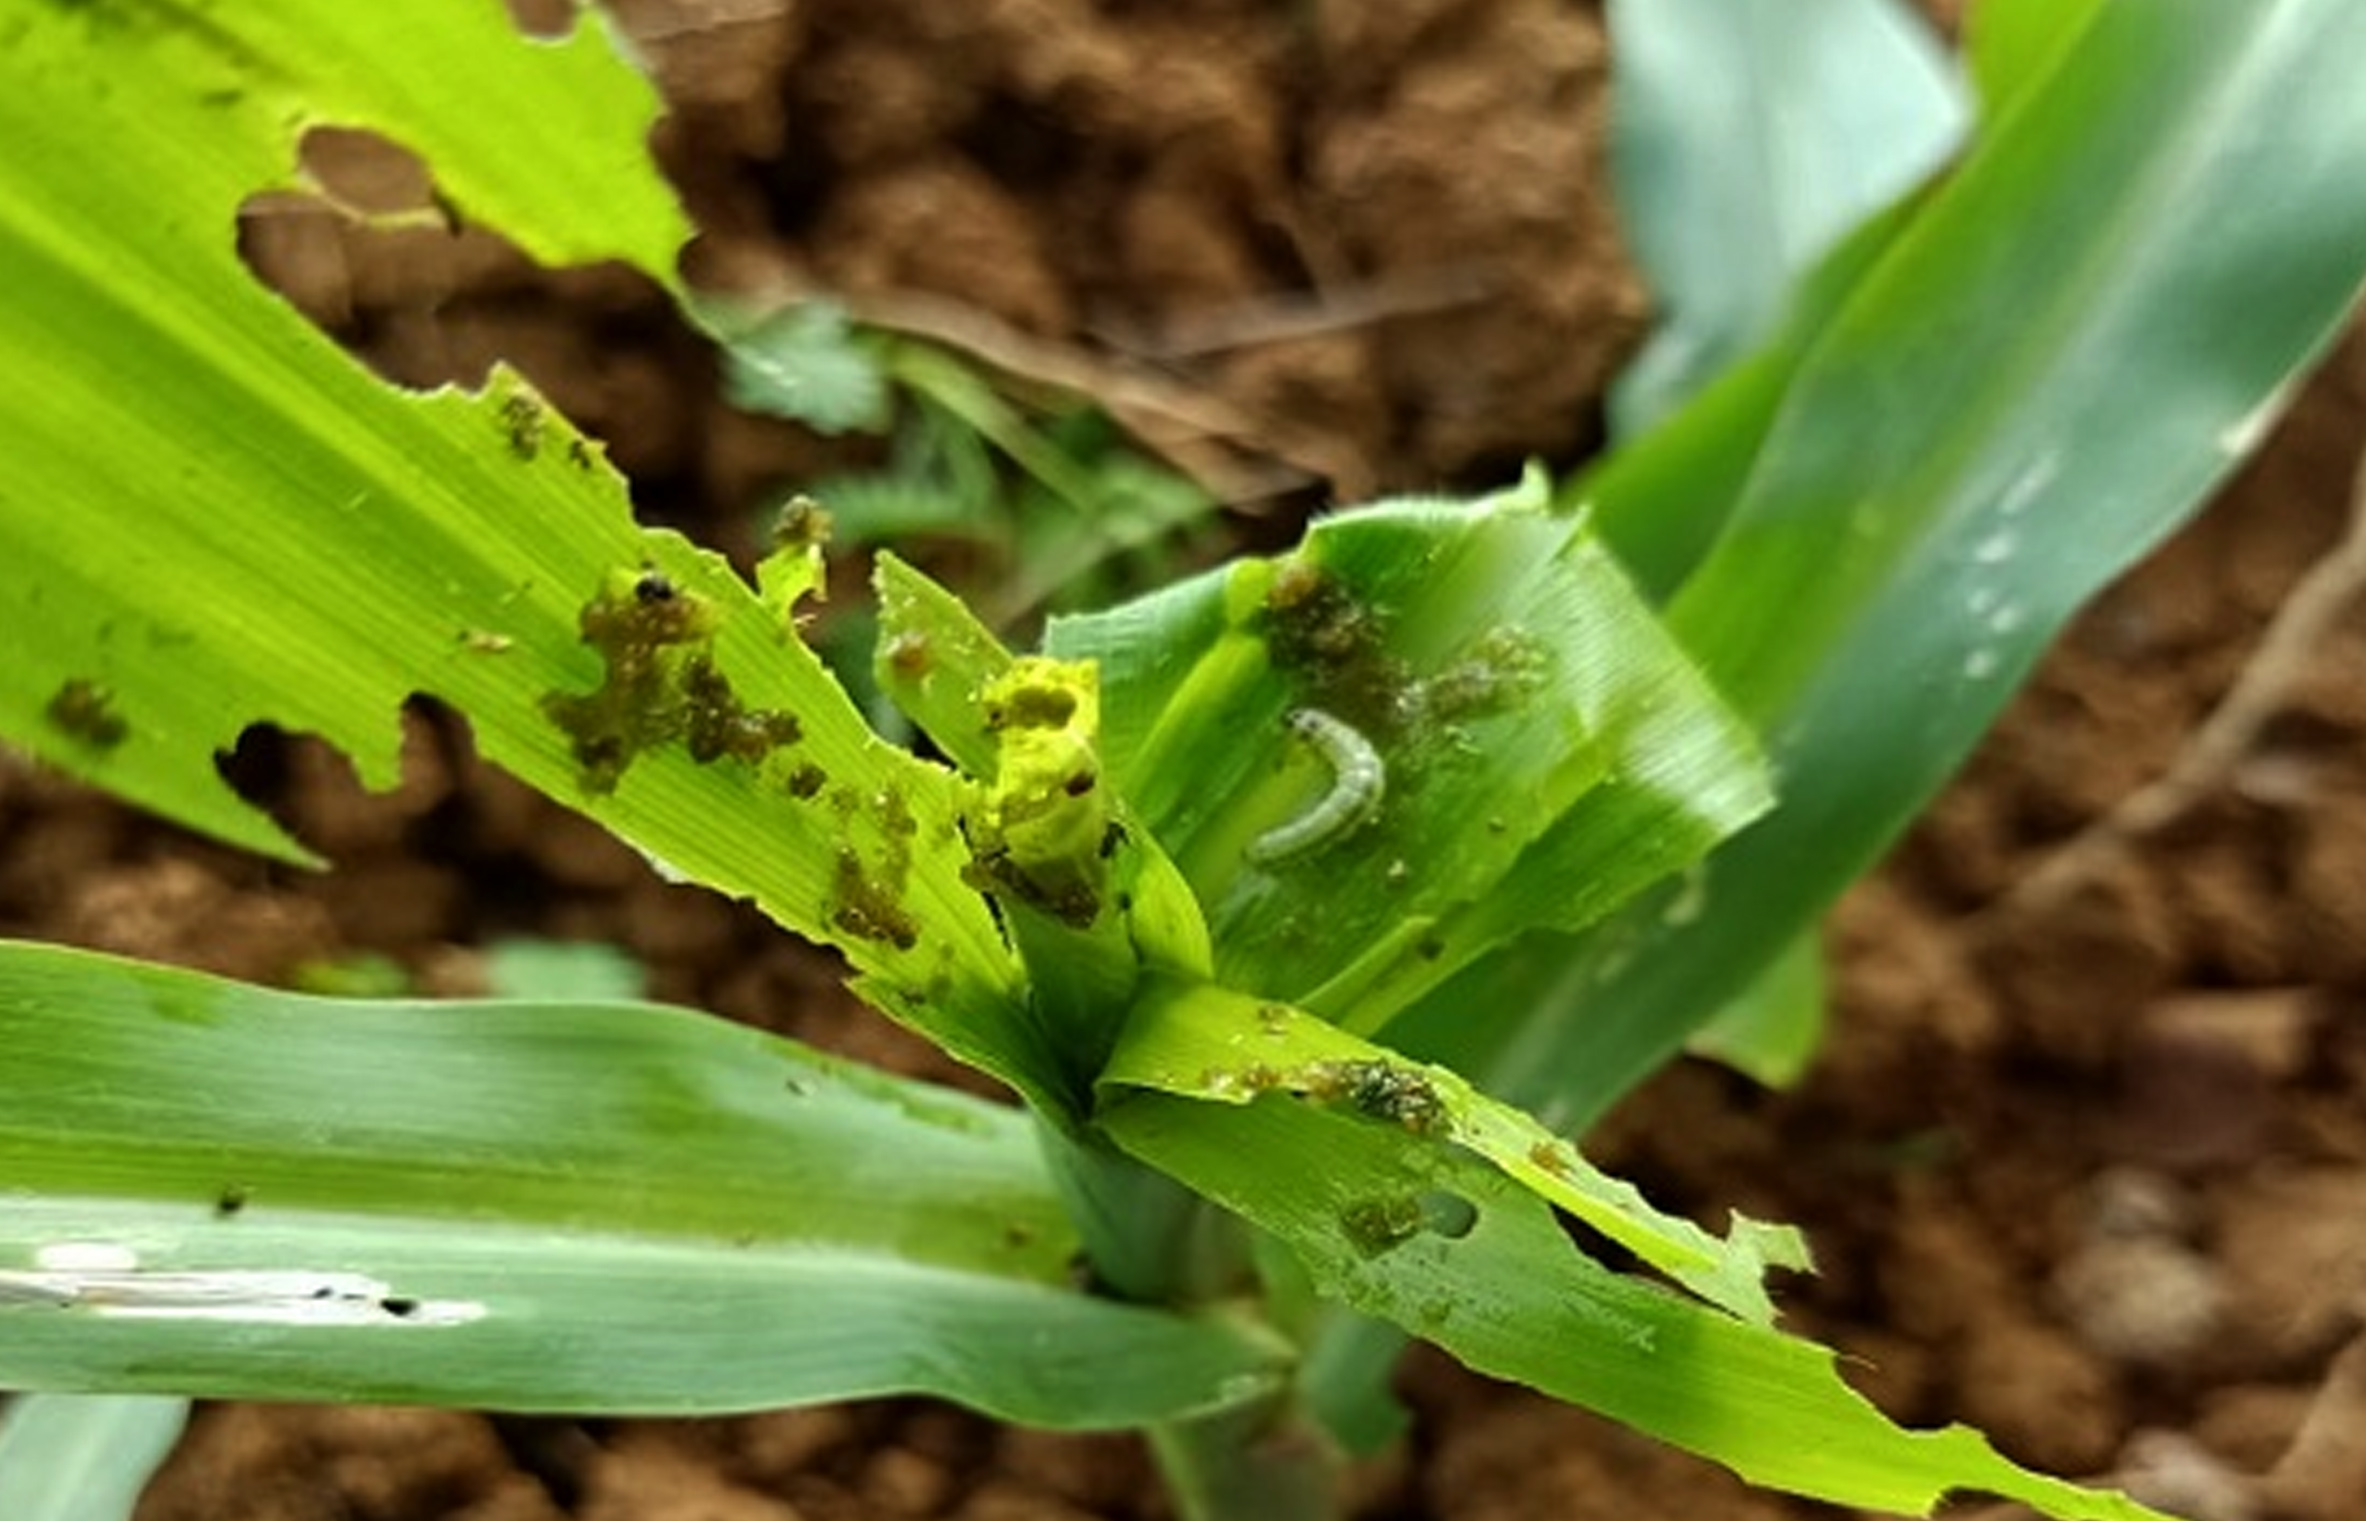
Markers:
point(1304, 906)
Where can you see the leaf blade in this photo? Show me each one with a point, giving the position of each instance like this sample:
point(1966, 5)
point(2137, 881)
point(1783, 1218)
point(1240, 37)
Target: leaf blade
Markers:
point(255, 530)
point(531, 1206)
point(1502, 1290)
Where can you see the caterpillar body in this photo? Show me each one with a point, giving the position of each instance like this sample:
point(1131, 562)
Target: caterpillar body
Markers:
point(1358, 781)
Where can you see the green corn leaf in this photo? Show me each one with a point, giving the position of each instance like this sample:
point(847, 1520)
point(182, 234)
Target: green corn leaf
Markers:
point(934, 659)
point(543, 1206)
point(1205, 1042)
point(2049, 367)
point(199, 108)
point(940, 665)
point(584, 970)
point(83, 1457)
point(1503, 739)
point(1406, 1227)
point(1772, 1029)
point(213, 518)
point(2012, 42)
point(149, 374)
point(1749, 136)
point(1662, 500)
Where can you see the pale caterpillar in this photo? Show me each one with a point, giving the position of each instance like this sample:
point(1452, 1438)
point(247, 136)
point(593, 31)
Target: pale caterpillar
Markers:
point(1357, 780)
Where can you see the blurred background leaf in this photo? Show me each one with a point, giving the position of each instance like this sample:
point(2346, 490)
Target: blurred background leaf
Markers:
point(2045, 368)
point(804, 362)
point(83, 1457)
point(1748, 137)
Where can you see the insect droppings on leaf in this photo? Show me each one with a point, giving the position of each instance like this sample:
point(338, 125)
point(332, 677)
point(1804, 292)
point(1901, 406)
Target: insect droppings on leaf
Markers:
point(1241, 1082)
point(867, 898)
point(1397, 1093)
point(1333, 645)
point(1500, 669)
point(908, 655)
point(661, 684)
point(523, 423)
point(1043, 838)
point(85, 710)
point(1378, 1226)
point(866, 909)
point(1031, 707)
point(717, 723)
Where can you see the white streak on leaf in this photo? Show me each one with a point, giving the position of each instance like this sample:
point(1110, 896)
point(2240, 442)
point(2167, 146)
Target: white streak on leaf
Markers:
point(87, 1257)
point(252, 1296)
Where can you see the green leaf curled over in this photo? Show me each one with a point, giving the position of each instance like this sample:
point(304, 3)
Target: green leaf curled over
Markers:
point(1472, 654)
point(942, 667)
point(1043, 836)
point(1089, 899)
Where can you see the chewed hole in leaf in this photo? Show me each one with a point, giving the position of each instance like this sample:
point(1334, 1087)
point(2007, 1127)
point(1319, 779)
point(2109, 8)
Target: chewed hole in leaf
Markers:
point(310, 788)
point(362, 220)
point(367, 248)
point(1606, 1252)
point(543, 18)
point(366, 173)
point(1447, 1214)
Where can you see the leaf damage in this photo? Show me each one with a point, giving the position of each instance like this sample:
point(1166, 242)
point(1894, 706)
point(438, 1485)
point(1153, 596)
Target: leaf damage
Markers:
point(662, 685)
point(86, 711)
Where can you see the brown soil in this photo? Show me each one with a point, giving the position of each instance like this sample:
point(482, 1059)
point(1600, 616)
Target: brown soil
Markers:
point(2085, 1161)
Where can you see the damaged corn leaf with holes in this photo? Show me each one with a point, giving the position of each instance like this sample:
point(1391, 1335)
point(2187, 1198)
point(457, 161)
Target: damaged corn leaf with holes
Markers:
point(1184, 871)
